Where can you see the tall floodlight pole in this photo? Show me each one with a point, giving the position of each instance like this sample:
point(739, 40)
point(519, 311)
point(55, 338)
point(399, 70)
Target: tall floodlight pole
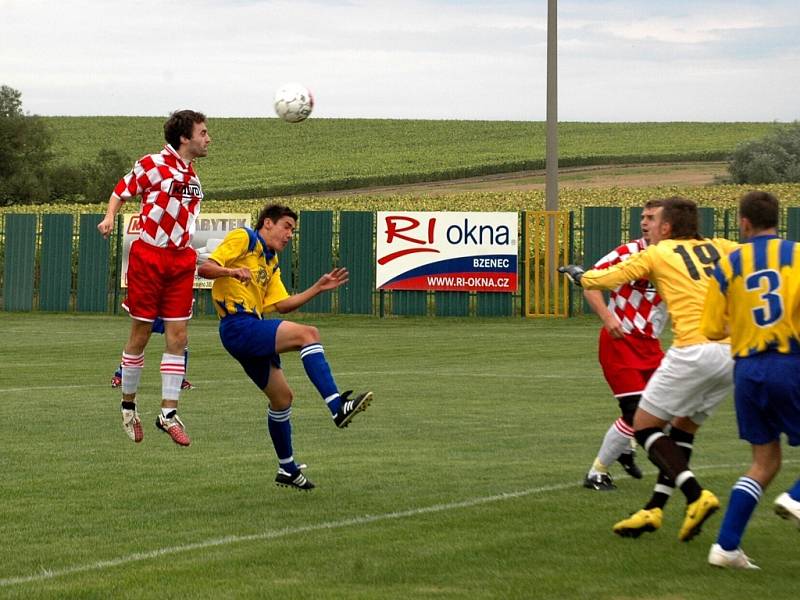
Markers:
point(551, 164)
point(551, 152)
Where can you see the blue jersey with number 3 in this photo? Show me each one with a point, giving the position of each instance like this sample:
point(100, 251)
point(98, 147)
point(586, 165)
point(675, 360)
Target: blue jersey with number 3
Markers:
point(748, 297)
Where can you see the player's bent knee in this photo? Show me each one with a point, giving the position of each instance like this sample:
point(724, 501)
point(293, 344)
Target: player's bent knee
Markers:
point(305, 335)
point(310, 334)
point(280, 401)
point(293, 336)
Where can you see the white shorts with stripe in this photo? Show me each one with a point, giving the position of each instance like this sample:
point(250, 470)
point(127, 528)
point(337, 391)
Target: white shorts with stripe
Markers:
point(690, 382)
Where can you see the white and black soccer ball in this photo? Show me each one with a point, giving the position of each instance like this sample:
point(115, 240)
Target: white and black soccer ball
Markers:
point(293, 102)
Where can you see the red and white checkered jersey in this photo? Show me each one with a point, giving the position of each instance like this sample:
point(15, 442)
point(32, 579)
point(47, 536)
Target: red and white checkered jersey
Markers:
point(636, 304)
point(171, 197)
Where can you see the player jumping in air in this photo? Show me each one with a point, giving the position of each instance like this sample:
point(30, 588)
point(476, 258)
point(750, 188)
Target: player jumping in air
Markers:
point(158, 327)
point(247, 285)
point(161, 264)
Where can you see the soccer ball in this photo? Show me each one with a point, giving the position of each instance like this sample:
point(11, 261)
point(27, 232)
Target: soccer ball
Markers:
point(293, 102)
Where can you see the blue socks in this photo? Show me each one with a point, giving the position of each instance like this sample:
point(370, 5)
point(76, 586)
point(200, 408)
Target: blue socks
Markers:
point(794, 491)
point(744, 497)
point(319, 372)
point(280, 430)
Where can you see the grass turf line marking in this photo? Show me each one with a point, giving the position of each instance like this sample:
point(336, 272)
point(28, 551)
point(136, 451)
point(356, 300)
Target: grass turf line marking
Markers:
point(46, 574)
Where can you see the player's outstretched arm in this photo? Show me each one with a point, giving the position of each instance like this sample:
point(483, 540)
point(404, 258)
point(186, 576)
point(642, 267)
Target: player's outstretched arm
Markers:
point(211, 270)
point(636, 267)
point(329, 281)
point(573, 273)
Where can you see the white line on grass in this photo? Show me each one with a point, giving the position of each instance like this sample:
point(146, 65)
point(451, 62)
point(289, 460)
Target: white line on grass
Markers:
point(46, 574)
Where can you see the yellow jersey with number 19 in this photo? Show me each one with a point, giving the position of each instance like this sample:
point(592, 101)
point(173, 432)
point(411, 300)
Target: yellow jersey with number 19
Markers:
point(680, 270)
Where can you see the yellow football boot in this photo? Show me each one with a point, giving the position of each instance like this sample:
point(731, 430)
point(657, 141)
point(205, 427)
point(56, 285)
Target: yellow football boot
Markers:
point(696, 514)
point(639, 523)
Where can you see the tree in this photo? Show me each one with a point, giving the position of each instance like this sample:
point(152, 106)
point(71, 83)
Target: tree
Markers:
point(10, 102)
point(24, 152)
point(772, 159)
point(27, 173)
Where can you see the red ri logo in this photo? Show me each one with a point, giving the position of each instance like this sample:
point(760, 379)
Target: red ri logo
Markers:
point(396, 228)
point(135, 225)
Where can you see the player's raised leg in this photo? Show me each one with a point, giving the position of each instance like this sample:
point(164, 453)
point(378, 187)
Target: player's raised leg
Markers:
point(294, 336)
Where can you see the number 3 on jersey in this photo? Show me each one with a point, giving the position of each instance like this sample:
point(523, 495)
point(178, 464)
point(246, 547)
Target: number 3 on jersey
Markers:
point(705, 254)
point(772, 310)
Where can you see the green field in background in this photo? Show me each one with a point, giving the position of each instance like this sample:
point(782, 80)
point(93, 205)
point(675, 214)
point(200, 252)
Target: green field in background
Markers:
point(252, 158)
point(462, 480)
point(717, 196)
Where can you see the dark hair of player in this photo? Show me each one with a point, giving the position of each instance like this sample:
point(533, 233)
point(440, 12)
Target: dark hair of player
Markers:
point(274, 212)
point(760, 208)
point(682, 214)
point(181, 123)
point(654, 203)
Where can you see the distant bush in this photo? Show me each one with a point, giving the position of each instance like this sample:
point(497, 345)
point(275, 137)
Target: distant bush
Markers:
point(104, 173)
point(772, 159)
point(27, 172)
point(68, 181)
point(24, 152)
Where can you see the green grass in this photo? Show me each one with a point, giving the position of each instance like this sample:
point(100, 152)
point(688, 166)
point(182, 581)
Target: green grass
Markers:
point(252, 158)
point(462, 480)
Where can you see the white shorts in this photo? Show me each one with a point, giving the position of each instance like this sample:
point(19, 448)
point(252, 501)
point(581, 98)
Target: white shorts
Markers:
point(690, 382)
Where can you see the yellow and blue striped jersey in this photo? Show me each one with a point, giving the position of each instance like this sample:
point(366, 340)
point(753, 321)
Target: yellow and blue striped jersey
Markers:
point(748, 297)
point(245, 248)
point(680, 271)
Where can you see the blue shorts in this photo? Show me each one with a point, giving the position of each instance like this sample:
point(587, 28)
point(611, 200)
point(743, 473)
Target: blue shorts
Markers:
point(767, 396)
point(251, 341)
point(158, 325)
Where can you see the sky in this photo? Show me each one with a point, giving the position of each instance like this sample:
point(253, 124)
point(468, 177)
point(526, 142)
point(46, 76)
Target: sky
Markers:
point(618, 60)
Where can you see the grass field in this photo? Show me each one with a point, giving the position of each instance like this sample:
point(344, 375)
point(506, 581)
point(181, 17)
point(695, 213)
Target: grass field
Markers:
point(462, 480)
point(252, 158)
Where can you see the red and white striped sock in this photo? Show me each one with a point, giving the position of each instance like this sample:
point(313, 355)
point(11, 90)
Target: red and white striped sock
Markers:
point(172, 372)
point(616, 441)
point(132, 365)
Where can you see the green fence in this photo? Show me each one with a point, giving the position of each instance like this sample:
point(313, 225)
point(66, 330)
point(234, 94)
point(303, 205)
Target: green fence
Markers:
point(56, 265)
point(51, 262)
point(356, 252)
point(20, 257)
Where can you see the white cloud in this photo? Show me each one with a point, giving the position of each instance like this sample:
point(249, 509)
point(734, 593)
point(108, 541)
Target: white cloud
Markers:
point(619, 59)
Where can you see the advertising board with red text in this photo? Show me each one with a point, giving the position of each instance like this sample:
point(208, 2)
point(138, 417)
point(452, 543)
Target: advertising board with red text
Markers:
point(447, 251)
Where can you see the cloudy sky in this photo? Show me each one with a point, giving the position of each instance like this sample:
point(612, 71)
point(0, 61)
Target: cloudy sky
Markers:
point(619, 60)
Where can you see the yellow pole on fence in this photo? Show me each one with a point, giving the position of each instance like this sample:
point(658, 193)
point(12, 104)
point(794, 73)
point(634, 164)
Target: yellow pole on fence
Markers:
point(547, 234)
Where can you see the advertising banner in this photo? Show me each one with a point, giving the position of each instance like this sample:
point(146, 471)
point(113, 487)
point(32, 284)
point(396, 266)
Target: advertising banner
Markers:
point(447, 251)
point(210, 230)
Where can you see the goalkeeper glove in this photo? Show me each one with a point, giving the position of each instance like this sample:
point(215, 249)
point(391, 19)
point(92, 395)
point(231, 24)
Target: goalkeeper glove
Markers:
point(573, 273)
